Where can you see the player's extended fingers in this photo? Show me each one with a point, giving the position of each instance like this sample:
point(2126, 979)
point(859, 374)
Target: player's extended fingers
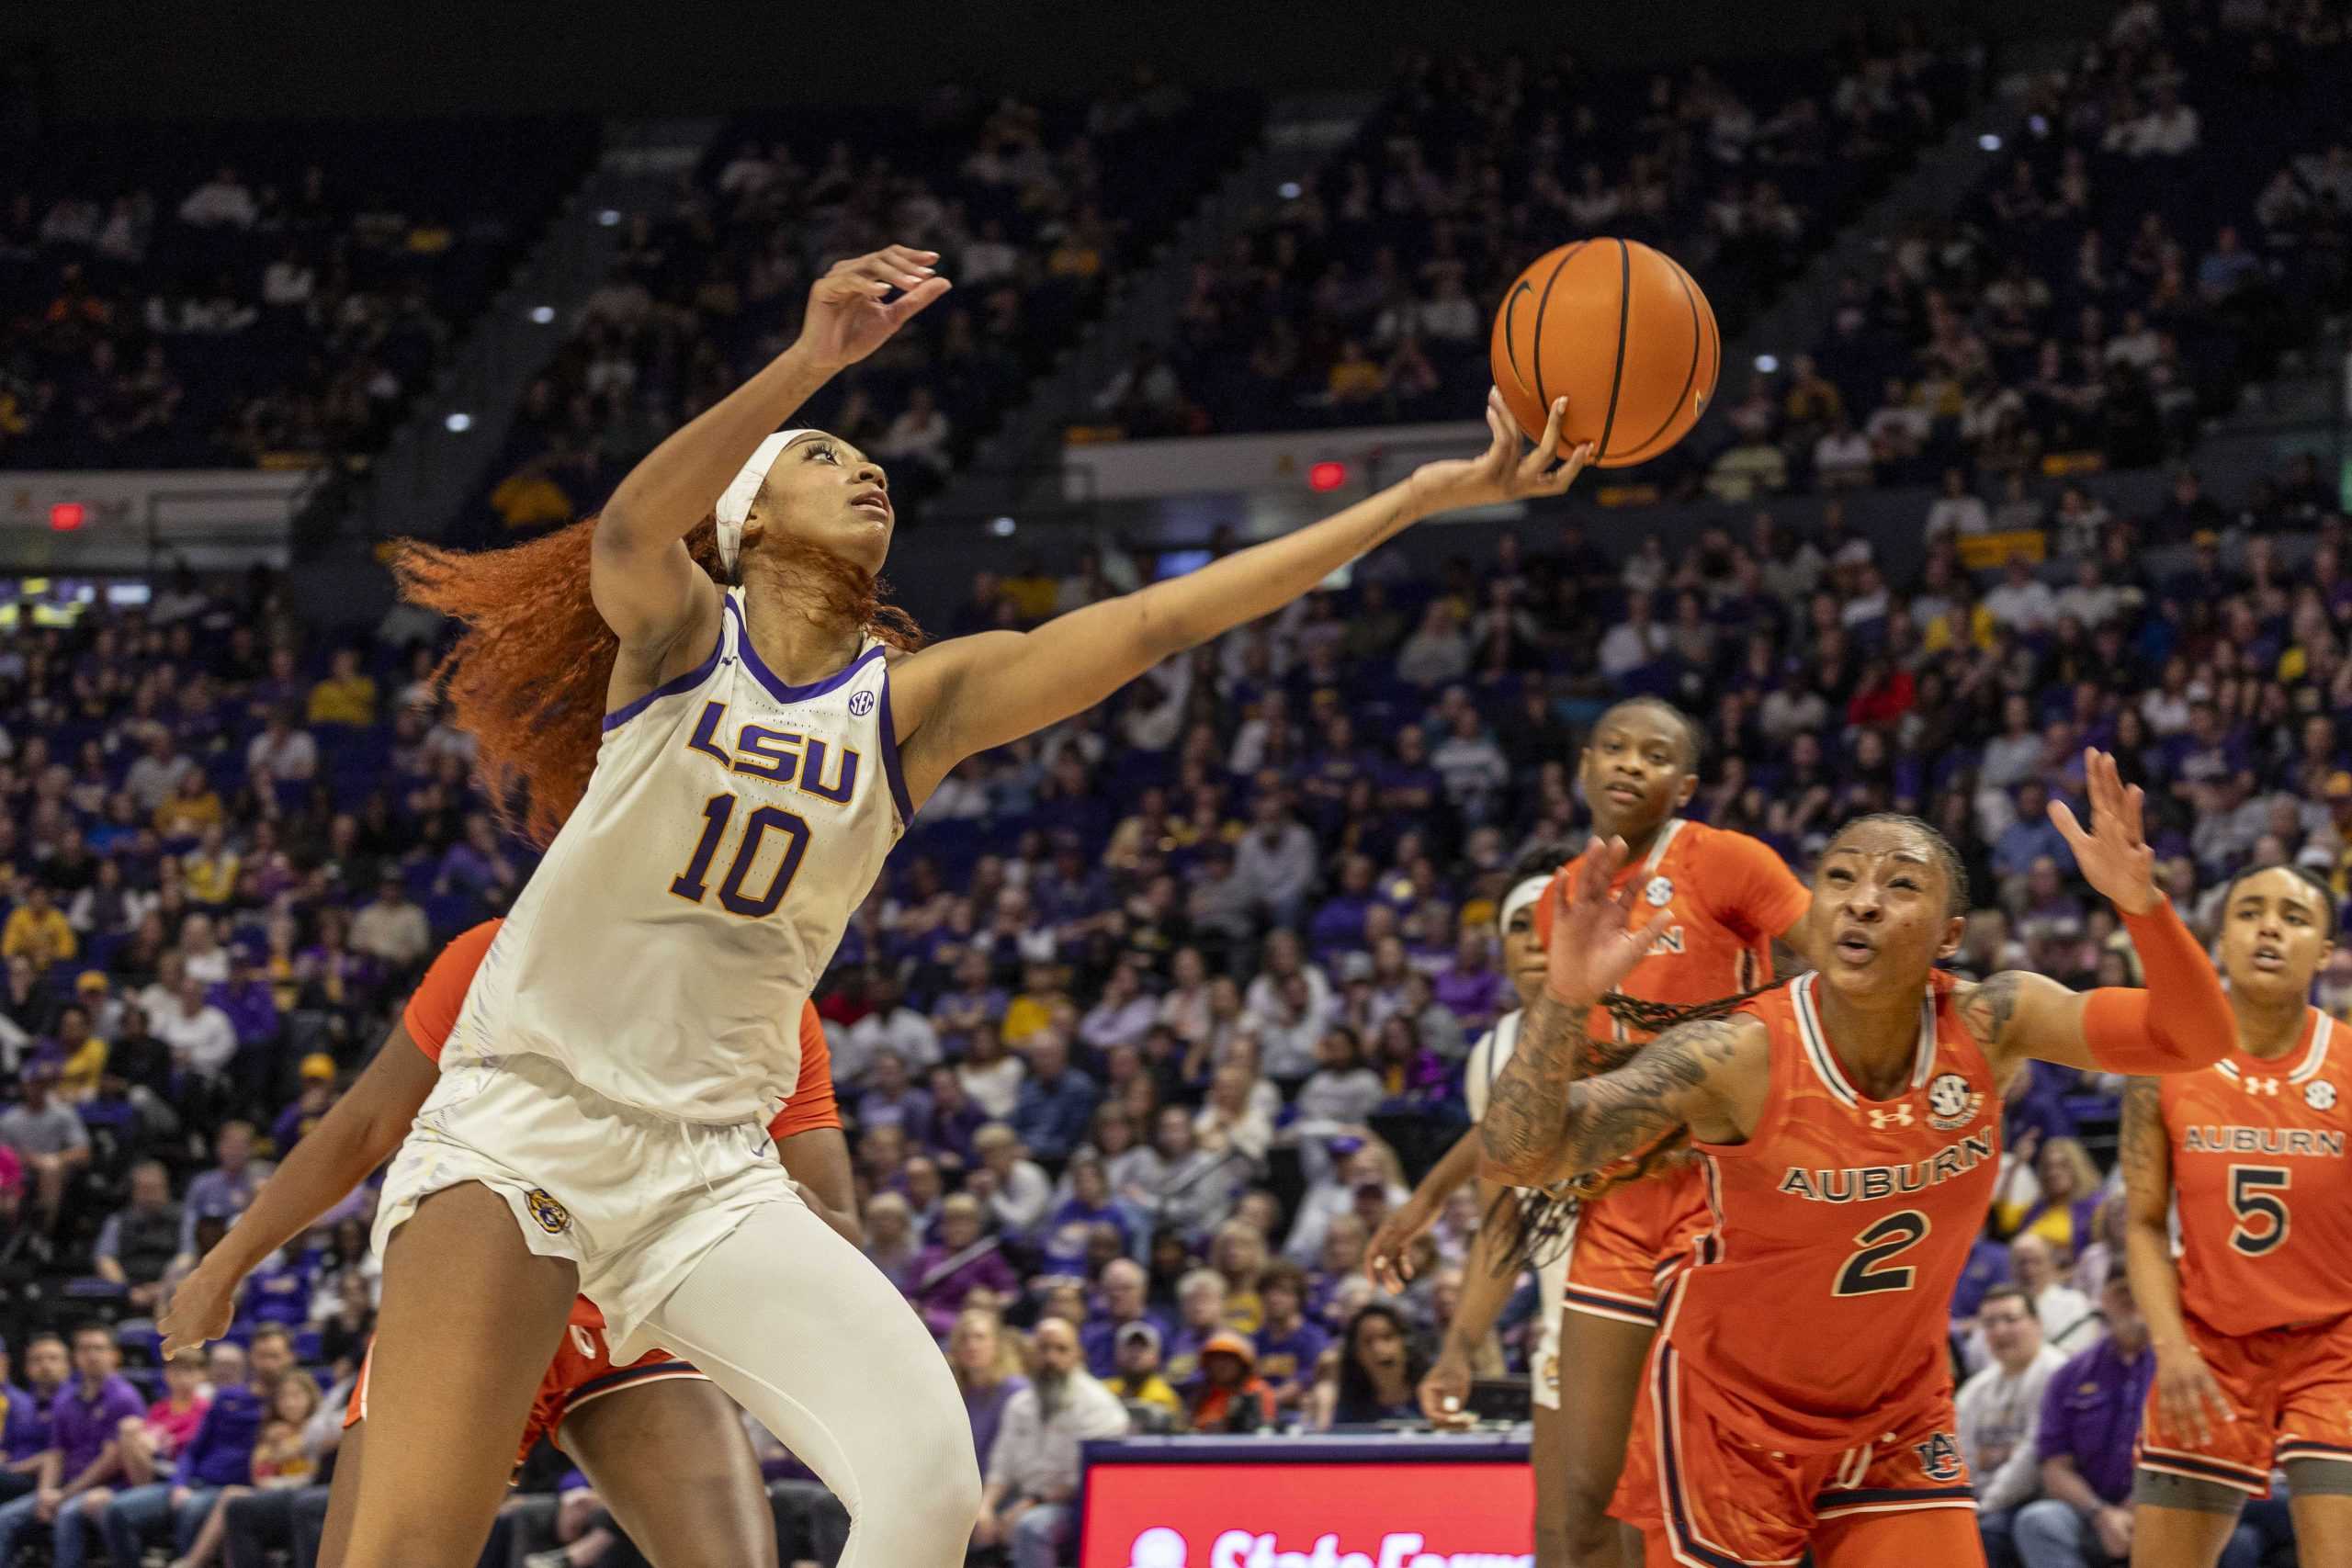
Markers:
point(882, 264)
point(2135, 801)
point(916, 299)
point(1532, 466)
point(911, 257)
point(2061, 816)
point(1565, 475)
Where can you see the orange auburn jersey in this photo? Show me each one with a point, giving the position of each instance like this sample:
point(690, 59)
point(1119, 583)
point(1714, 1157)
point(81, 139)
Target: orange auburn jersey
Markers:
point(2262, 1185)
point(1730, 896)
point(1816, 1301)
point(431, 1013)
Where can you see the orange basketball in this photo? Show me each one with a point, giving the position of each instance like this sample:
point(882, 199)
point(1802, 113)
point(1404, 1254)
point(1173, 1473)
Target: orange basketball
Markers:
point(1623, 334)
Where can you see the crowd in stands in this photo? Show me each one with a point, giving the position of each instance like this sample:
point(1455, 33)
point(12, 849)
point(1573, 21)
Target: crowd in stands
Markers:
point(1364, 297)
point(1154, 1015)
point(2132, 260)
point(1036, 207)
point(255, 295)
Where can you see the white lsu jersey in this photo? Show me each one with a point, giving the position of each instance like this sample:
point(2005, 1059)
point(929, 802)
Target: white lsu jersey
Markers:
point(662, 952)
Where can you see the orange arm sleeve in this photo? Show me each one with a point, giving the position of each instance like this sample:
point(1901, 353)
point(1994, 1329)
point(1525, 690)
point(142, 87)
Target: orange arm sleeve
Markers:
point(2181, 1022)
point(812, 1104)
point(431, 1013)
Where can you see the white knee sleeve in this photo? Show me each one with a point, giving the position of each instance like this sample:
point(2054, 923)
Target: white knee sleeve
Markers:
point(799, 1328)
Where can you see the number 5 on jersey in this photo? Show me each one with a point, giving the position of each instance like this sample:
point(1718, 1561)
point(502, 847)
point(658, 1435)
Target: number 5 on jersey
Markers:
point(717, 814)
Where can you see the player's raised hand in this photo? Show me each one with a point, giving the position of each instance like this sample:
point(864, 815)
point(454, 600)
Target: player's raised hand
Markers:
point(1506, 470)
point(1594, 942)
point(847, 319)
point(2112, 854)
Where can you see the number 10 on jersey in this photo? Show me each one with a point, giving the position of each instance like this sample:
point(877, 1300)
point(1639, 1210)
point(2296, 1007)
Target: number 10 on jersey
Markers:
point(718, 815)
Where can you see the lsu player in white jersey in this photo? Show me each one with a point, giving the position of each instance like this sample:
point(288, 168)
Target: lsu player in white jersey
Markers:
point(699, 687)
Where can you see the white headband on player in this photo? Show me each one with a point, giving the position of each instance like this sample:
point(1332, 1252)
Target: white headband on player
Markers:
point(1519, 899)
point(735, 501)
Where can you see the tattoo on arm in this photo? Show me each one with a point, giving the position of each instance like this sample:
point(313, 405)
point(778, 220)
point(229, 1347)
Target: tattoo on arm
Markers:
point(1986, 1008)
point(2146, 1154)
point(1543, 1126)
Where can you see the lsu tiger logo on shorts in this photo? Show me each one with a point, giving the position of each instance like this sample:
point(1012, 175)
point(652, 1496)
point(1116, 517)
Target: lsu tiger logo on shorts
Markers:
point(552, 1216)
point(1938, 1457)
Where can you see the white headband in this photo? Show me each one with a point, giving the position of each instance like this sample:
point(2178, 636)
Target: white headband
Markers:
point(1519, 899)
point(735, 501)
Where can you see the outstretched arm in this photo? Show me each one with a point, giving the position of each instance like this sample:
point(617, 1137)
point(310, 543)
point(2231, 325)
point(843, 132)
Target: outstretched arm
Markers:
point(975, 692)
point(2181, 1022)
point(648, 591)
point(1543, 1127)
point(359, 1132)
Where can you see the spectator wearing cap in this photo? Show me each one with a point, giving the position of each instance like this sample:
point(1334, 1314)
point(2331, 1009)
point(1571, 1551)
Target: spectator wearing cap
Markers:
point(1228, 1395)
point(1033, 1469)
point(139, 1241)
point(317, 1095)
point(222, 1193)
point(1134, 1376)
point(37, 928)
point(1122, 1301)
point(82, 1452)
point(44, 1133)
point(95, 992)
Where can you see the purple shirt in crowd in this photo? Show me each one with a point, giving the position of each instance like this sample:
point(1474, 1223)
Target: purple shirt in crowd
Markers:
point(84, 1421)
point(987, 1410)
point(2090, 1413)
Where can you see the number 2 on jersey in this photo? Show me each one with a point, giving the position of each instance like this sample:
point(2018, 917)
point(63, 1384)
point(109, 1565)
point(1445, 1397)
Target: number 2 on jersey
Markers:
point(2253, 1197)
point(1896, 1233)
point(717, 813)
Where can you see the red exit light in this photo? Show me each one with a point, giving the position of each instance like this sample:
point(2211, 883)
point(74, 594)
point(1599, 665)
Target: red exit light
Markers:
point(65, 516)
point(1327, 476)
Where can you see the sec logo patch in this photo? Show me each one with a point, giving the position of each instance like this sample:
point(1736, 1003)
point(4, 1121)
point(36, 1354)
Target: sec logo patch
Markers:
point(1660, 893)
point(860, 704)
point(552, 1216)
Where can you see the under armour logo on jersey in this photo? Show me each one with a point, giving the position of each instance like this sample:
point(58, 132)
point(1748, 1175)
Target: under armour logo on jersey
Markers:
point(2320, 1095)
point(1660, 892)
point(860, 704)
point(1898, 1117)
point(2262, 1086)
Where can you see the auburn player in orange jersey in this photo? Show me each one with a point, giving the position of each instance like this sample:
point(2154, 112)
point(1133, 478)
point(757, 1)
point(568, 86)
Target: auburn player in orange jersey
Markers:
point(1727, 901)
point(2252, 1323)
point(1798, 1392)
point(670, 1460)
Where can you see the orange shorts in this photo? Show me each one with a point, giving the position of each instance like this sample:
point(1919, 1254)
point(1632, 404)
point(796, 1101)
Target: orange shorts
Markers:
point(582, 1370)
point(1629, 1243)
point(2290, 1389)
point(1715, 1498)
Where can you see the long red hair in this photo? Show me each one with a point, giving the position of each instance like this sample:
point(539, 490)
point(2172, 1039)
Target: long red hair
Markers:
point(527, 676)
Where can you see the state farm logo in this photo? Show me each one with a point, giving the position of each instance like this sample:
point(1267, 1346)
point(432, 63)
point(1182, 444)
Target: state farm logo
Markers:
point(1164, 1548)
